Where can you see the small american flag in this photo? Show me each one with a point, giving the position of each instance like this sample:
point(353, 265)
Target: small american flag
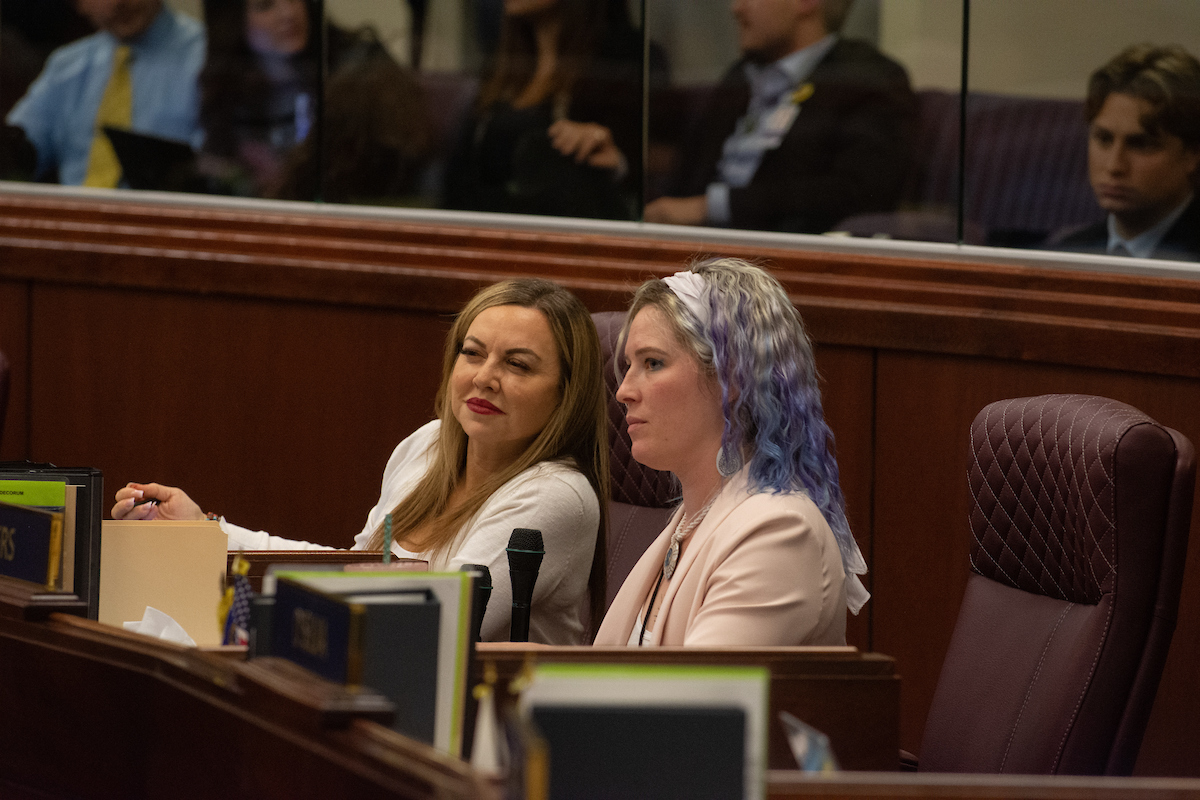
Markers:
point(237, 620)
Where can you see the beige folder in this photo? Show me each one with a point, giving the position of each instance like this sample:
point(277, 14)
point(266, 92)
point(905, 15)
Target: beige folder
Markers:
point(176, 567)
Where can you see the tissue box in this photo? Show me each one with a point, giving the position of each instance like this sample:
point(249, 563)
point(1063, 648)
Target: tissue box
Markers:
point(176, 567)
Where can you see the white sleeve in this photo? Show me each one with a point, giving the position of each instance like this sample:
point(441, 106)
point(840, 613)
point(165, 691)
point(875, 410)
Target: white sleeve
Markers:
point(559, 502)
point(405, 467)
point(245, 539)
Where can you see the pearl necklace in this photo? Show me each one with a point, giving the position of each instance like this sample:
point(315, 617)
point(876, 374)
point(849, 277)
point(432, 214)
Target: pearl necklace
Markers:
point(682, 530)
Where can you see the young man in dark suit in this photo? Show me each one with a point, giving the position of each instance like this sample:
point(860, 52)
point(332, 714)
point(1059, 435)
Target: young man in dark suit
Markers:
point(1143, 149)
point(807, 129)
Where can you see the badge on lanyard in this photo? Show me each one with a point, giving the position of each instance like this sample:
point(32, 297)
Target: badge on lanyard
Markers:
point(742, 153)
point(781, 118)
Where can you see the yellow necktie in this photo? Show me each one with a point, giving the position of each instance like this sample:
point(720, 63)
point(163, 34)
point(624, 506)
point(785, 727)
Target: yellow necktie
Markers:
point(116, 109)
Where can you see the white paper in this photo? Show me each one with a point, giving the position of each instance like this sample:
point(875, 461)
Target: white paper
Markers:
point(157, 624)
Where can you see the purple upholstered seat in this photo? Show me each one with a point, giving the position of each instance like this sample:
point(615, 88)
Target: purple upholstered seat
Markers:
point(1026, 172)
point(641, 498)
point(1079, 524)
point(1027, 164)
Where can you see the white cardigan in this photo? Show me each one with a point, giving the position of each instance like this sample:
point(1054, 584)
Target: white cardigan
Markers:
point(552, 497)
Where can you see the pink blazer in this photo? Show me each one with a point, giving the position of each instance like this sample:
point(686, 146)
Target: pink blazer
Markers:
point(761, 569)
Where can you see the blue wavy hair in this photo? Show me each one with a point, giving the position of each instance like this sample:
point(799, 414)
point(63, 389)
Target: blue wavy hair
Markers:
point(756, 346)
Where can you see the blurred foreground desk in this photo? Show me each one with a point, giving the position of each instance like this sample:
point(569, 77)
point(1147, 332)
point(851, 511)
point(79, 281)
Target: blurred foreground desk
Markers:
point(906, 786)
point(91, 711)
point(852, 697)
point(88, 710)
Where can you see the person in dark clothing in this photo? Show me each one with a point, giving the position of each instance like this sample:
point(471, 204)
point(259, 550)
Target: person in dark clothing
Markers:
point(1143, 109)
point(260, 112)
point(807, 129)
point(556, 128)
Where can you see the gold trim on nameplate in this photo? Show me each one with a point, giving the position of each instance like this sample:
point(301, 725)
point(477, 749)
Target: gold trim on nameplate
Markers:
point(56, 537)
point(355, 642)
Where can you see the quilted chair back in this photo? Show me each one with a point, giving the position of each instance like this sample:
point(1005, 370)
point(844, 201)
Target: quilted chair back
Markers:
point(3, 392)
point(1079, 521)
point(642, 498)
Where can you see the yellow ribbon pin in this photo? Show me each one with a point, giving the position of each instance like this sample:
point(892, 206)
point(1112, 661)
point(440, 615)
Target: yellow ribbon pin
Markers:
point(803, 93)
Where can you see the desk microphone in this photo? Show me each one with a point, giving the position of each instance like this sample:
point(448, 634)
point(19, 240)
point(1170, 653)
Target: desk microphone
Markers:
point(481, 580)
point(525, 553)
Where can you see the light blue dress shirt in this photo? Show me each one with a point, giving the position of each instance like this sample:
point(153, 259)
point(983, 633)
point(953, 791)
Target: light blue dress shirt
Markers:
point(771, 86)
point(1144, 244)
point(58, 113)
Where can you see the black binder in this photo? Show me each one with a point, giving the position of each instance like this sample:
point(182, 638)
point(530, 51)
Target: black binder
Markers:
point(386, 641)
point(603, 752)
point(88, 512)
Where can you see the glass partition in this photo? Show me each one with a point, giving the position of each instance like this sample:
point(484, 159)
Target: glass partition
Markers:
point(926, 36)
point(803, 122)
point(479, 105)
point(1044, 165)
point(692, 112)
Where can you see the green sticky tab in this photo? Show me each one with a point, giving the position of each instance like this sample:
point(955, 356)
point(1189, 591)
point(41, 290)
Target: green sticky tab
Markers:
point(667, 671)
point(43, 494)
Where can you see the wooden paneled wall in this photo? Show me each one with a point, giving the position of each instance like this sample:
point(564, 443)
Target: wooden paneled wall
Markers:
point(269, 361)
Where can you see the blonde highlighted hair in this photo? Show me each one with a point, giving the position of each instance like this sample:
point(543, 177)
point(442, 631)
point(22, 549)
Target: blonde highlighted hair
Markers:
point(576, 433)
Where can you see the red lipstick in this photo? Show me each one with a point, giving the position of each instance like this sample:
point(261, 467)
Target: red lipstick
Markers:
point(481, 406)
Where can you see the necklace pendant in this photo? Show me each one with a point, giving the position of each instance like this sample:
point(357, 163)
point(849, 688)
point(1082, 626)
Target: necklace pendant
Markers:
point(670, 561)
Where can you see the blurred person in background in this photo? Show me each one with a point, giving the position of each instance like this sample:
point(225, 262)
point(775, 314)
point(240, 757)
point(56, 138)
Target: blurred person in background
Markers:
point(556, 128)
point(806, 129)
point(1143, 111)
point(260, 111)
point(137, 72)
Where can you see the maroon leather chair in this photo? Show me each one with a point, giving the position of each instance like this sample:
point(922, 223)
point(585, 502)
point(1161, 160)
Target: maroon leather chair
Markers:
point(1079, 522)
point(642, 498)
point(3, 392)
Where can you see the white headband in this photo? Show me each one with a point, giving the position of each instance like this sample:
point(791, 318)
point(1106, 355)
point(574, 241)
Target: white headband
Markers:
point(690, 288)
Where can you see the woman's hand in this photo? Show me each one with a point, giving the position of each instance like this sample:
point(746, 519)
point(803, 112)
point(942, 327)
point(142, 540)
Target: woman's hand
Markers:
point(587, 142)
point(154, 501)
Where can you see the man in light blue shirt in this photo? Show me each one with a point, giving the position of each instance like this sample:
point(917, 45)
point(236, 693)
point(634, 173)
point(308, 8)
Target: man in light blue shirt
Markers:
point(58, 113)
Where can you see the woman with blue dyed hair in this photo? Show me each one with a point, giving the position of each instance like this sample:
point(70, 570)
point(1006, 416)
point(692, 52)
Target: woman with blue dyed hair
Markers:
point(721, 390)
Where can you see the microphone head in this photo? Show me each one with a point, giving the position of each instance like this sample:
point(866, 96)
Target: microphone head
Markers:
point(525, 539)
point(525, 549)
point(483, 578)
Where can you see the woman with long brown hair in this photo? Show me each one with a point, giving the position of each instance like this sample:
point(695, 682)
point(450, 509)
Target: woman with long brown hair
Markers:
point(520, 442)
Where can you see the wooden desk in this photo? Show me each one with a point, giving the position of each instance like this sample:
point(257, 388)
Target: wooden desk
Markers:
point(92, 711)
point(852, 697)
point(897, 786)
point(293, 346)
point(89, 710)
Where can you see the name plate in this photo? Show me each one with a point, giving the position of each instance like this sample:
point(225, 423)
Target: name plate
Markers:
point(387, 641)
point(312, 630)
point(31, 544)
